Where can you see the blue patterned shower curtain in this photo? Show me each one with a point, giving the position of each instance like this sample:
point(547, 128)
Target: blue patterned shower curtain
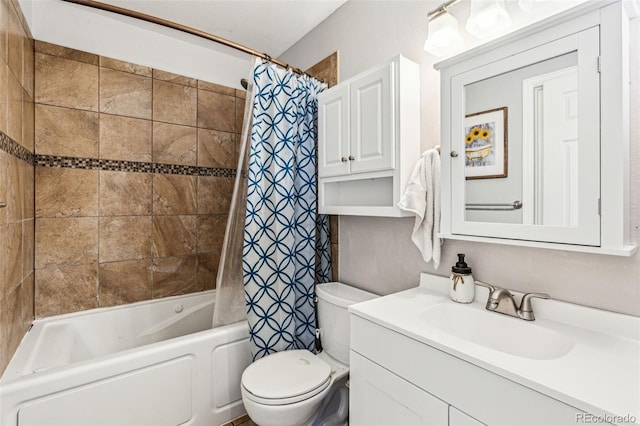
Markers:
point(281, 223)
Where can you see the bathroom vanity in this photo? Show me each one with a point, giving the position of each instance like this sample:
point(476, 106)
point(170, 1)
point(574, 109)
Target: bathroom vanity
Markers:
point(417, 358)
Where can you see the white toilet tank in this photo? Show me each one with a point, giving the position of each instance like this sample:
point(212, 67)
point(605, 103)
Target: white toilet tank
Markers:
point(333, 316)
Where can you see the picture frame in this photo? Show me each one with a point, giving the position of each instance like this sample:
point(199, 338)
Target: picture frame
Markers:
point(486, 144)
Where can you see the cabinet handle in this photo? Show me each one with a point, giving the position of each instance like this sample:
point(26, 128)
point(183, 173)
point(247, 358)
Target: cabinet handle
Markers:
point(343, 159)
point(3, 204)
point(454, 154)
point(351, 158)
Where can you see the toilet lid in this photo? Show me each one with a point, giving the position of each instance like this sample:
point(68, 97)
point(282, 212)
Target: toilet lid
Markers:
point(286, 374)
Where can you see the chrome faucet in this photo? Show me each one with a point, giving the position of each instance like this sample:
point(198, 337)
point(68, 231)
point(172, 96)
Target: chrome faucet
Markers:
point(501, 300)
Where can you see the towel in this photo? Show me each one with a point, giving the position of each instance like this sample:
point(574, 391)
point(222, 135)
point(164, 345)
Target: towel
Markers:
point(422, 198)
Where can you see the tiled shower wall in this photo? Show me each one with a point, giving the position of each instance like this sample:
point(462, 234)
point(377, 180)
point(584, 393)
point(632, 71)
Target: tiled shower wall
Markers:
point(16, 179)
point(133, 181)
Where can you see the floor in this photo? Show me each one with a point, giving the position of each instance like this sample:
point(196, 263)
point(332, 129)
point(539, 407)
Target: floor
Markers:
point(241, 421)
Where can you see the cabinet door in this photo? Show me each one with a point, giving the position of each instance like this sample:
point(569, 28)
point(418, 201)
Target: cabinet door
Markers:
point(333, 132)
point(379, 397)
point(372, 121)
point(458, 418)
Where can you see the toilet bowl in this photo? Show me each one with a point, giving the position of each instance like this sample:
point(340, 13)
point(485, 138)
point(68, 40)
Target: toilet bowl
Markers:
point(299, 388)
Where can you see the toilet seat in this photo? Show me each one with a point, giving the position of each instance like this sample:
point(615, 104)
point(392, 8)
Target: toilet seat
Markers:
point(286, 377)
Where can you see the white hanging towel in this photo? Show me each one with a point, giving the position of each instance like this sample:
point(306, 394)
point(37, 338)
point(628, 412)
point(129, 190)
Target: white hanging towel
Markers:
point(422, 198)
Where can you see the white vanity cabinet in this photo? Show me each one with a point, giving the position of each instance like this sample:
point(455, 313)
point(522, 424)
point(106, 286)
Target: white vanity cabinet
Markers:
point(396, 380)
point(369, 140)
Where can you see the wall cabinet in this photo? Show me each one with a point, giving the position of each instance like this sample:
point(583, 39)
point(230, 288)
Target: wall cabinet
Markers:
point(552, 169)
point(369, 140)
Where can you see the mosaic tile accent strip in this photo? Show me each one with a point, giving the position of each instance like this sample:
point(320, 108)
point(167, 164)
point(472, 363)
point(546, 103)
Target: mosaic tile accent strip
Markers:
point(12, 147)
point(130, 166)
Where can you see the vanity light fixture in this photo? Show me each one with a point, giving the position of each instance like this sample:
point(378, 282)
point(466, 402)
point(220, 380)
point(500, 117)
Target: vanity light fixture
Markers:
point(487, 18)
point(443, 37)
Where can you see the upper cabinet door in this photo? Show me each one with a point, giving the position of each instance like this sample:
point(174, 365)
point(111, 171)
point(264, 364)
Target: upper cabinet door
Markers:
point(372, 124)
point(333, 124)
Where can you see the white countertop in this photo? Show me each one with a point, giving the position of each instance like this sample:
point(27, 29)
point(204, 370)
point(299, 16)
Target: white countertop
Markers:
point(600, 374)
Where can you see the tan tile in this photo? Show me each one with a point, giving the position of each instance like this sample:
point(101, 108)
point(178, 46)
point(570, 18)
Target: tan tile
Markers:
point(14, 254)
point(65, 52)
point(239, 114)
point(333, 228)
point(125, 193)
point(66, 241)
point(15, 190)
point(66, 132)
point(5, 287)
point(211, 230)
point(66, 83)
point(218, 88)
point(216, 111)
point(125, 94)
point(4, 25)
point(125, 282)
point(65, 289)
point(29, 68)
point(11, 330)
point(4, 99)
point(174, 144)
point(125, 238)
point(26, 297)
point(174, 275)
point(217, 149)
point(207, 270)
point(174, 194)
point(28, 247)
point(14, 108)
point(62, 192)
point(4, 165)
point(214, 194)
point(174, 103)
point(118, 65)
point(175, 78)
point(15, 40)
point(124, 138)
point(174, 236)
point(27, 176)
point(28, 122)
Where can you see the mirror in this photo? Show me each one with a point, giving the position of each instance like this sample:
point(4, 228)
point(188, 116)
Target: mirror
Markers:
point(535, 136)
point(521, 145)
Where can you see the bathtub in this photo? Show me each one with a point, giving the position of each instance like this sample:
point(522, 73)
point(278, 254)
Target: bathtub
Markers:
point(149, 363)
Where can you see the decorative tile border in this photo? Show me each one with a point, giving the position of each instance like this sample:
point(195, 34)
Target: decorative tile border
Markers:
point(12, 147)
point(130, 166)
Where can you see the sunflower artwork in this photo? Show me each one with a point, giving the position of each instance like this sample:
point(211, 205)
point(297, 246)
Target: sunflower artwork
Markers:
point(485, 144)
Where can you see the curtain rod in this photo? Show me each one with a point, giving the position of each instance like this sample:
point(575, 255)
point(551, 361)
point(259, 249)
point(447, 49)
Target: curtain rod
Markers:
point(189, 30)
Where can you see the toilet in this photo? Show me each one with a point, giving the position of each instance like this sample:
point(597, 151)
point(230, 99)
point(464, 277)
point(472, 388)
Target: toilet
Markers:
point(297, 387)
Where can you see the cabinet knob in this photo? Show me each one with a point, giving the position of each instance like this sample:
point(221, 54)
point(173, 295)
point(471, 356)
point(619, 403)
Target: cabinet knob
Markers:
point(351, 158)
point(343, 159)
point(454, 154)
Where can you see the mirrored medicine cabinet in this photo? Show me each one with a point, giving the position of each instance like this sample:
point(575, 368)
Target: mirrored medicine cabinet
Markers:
point(535, 143)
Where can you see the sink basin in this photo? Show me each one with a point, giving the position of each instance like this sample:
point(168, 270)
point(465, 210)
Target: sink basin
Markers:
point(496, 331)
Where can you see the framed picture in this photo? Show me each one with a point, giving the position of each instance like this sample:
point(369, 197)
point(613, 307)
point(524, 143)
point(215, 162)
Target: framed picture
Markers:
point(486, 149)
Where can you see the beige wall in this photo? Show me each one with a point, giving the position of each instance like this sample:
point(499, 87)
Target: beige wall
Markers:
point(16, 179)
point(110, 232)
point(377, 253)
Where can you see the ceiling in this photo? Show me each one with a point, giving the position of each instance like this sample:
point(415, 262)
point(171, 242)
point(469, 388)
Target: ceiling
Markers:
point(268, 26)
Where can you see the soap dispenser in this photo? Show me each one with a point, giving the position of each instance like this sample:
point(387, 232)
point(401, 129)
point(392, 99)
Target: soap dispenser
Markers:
point(462, 286)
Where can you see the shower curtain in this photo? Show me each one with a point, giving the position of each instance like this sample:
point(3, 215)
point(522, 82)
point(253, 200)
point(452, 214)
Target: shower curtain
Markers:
point(283, 108)
point(279, 254)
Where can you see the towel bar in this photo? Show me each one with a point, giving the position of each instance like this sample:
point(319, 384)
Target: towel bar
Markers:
point(516, 205)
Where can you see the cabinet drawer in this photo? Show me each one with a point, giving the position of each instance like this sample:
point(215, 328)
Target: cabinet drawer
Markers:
point(483, 395)
point(379, 397)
